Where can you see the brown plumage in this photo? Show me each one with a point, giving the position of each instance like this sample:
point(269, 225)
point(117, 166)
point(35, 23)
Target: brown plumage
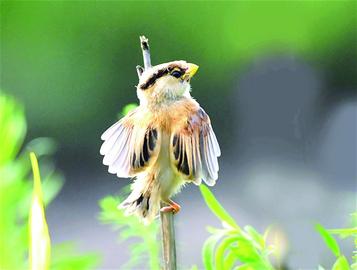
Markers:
point(164, 143)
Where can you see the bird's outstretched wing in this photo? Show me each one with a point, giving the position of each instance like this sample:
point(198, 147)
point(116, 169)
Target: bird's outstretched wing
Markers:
point(194, 149)
point(130, 145)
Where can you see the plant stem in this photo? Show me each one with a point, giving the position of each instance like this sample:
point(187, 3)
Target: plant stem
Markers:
point(167, 220)
point(168, 240)
point(144, 42)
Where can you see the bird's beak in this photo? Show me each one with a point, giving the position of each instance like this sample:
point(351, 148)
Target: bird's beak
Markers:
point(192, 69)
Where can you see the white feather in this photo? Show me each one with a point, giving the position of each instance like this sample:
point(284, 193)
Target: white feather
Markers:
point(110, 131)
point(113, 153)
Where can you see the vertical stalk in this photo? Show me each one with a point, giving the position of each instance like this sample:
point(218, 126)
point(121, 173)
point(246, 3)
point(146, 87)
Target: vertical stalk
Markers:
point(168, 240)
point(144, 42)
point(167, 220)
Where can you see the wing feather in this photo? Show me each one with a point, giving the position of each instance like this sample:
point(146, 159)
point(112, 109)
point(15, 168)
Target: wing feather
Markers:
point(194, 149)
point(213, 152)
point(130, 145)
point(119, 165)
point(113, 153)
point(110, 130)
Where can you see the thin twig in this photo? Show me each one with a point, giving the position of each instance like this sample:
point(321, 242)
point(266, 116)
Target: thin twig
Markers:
point(167, 220)
point(146, 52)
point(139, 70)
point(168, 240)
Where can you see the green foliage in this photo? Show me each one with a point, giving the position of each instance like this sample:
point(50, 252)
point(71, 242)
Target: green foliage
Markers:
point(16, 189)
point(12, 129)
point(341, 262)
point(217, 208)
point(145, 252)
point(232, 247)
point(126, 109)
point(330, 242)
point(39, 238)
point(229, 247)
point(66, 257)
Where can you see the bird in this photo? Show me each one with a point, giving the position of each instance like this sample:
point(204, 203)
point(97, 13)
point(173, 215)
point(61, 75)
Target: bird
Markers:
point(164, 143)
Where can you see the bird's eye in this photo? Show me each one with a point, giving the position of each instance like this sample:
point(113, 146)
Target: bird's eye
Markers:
point(176, 74)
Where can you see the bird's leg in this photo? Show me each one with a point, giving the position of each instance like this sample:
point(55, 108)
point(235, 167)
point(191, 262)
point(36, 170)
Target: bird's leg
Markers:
point(172, 207)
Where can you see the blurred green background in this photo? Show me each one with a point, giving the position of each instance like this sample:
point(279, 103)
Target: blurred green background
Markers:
point(72, 65)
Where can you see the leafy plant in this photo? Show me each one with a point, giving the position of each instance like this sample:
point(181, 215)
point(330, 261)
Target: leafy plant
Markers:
point(16, 191)
point(232, 247)
point(229, 247)
point(341, 262)
point(145, 252)
point(40, 243)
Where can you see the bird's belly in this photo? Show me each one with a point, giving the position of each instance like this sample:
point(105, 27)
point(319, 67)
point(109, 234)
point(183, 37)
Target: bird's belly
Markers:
point(170, 181)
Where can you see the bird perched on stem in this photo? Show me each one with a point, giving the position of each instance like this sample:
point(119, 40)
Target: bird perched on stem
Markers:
point(164, 143)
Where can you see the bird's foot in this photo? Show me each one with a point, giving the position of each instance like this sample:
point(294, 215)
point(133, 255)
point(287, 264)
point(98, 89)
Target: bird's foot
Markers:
point(172, 207)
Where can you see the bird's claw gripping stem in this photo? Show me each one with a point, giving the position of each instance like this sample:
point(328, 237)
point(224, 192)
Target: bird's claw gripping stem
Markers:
point(172, 207)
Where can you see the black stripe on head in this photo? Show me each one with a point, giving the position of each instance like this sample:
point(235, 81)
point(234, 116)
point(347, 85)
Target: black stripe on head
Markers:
point(158, 74)
point(151, 81)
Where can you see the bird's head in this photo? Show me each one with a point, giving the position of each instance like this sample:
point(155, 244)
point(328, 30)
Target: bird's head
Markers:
point(165, 82)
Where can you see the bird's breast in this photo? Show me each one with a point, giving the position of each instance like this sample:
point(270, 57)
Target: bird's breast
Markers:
point(169, 180)
point(171, 116)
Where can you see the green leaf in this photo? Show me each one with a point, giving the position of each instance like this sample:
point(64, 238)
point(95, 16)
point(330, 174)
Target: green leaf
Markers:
point(345, 232)
point(245, 252)
point(40, 243)
point(216, 207)
point(52, 185)
point(256, 237)
point(23, 225)
point(222, 248)
point(251, 266)
point(229, 260)
point(42, 146)
point(320, 268)
point(330, 241)
point(208, 251)
point(146, 244)
point(12, 128)
point(66, 257)
point(127, 108)
point(341, 264)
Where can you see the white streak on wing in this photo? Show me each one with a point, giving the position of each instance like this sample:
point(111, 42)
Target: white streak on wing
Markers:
point(208, 156)
point(126, 165)
point(117, 148)
point(110, 131)
point(121, 165)
point(197, 159)
point(108, 143)
point(198, 156)
point(213, 153)
point(189, 152)
point(215, 143)
point(205, 174)
point(206, 169)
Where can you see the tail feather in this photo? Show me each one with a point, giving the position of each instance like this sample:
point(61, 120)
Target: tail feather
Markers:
point(144, 200)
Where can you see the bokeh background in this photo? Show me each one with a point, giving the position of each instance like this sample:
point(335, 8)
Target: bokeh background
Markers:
point(277, 78)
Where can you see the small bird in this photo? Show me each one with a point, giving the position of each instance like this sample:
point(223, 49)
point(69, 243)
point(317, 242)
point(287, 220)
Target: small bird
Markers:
point(164, 143)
